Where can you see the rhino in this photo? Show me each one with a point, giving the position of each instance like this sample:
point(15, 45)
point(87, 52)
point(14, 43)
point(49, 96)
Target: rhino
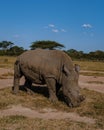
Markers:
point(53, 68)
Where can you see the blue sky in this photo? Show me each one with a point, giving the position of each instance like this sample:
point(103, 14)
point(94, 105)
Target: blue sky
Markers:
point(78, 24)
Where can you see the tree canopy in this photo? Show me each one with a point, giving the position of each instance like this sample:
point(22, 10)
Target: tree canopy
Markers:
point(5, 45)
point(15, 50)
point(46, 45)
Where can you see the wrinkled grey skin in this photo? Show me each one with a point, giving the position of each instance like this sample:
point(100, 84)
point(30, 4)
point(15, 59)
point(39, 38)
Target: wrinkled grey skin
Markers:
point(51, 67)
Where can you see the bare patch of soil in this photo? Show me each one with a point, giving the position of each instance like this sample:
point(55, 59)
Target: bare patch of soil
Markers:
point(45, 114)
point(5, 70)
point(84, 82)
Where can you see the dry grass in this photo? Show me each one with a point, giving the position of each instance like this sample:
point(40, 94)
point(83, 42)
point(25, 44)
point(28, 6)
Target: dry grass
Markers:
point(92, 107)
point(7, 61)
point(7, 75)
point(96, 74)
point(23, 123)
point(91, 66)
point(2, 77)
point(95, 82)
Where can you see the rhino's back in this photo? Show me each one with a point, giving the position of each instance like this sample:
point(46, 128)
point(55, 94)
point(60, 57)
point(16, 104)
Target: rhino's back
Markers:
point(40, 57)
point(43, 62)
point(36, 62)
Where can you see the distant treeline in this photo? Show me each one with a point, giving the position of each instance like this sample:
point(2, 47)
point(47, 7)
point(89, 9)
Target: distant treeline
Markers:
point(10, 49)
point(97, 55)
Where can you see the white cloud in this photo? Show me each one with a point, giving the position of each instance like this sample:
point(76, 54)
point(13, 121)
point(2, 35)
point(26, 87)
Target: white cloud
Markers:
point(51, 25)
point(87, 26)
point(55, 30)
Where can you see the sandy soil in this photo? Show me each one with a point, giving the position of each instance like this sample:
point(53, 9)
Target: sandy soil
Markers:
point(49, 113)
point(88, 82)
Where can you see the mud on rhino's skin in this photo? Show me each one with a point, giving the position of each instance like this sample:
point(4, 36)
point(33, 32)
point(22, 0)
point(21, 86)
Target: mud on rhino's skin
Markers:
point(51, 67)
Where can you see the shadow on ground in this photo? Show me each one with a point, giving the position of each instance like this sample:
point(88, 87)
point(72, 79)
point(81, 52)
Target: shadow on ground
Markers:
point(43, 90)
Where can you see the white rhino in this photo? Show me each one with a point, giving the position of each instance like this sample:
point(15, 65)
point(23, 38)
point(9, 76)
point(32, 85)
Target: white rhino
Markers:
point(51, 67)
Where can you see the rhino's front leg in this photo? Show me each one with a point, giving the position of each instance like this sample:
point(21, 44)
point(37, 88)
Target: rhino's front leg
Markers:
point(28, 86)
point(51, 83)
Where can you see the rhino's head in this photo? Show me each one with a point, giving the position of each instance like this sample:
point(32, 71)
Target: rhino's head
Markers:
point(71, 90)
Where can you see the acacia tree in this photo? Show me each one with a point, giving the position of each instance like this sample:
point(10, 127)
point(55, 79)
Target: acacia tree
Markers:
point(46, 45)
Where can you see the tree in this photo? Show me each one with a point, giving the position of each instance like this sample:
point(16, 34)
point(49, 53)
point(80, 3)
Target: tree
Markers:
point(15, 50)
point(5, 45)
point(46, 45)
point(99, 55)
point(73, 53)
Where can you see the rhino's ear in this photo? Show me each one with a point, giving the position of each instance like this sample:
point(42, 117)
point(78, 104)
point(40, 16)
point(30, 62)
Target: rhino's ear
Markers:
point(77, 68)
point(65, 70)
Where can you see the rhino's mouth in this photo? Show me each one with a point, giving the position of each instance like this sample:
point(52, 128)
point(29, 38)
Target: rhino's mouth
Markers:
point(68, 102)
point(74, 103)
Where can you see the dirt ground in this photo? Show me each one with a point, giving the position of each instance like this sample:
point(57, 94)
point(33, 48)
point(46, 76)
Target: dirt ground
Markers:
point(88, 82)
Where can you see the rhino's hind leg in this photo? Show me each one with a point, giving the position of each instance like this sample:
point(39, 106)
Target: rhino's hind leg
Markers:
point(17, 75)
point(51, 83)
point(15, 88)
